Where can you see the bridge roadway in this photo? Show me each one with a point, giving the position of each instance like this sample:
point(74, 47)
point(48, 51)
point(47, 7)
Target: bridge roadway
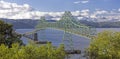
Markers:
point(79, 32)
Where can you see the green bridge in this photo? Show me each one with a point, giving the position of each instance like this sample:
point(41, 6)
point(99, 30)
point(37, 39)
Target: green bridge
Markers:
point(68, 25)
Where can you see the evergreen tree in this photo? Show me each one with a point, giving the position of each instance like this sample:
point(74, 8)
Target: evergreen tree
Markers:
point(8, 35)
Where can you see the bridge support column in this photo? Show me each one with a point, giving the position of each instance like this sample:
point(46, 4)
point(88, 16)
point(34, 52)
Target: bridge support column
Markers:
point(35, 37)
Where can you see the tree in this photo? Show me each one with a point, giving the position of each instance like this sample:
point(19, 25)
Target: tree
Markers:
point(31, 52)
point(105, 46)
point(8, 35)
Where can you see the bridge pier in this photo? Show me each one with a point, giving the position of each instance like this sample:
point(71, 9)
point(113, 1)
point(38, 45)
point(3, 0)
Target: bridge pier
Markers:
point(35, 36)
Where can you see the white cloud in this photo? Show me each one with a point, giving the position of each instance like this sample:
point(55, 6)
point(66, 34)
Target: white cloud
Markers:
point(79, 18)
point(76, 13)
point(98, 13)
point(83, 1)
point(55, 14)
point(15, 11)
point(93, 16)
point(85, 10)
point(119, 9)
point(76, 2)
point(101, 12)
point(56, 19)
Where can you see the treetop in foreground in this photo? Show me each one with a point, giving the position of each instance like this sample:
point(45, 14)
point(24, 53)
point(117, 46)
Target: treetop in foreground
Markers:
point(31, 52)
point(106, 45)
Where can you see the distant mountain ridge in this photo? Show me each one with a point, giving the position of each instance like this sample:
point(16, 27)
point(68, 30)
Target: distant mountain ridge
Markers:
point(30, 23)
point(101, 24)
point(21, 24)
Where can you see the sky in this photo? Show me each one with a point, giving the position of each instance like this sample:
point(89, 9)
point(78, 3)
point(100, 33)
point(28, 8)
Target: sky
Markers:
point(54, 9)
point(69, 5)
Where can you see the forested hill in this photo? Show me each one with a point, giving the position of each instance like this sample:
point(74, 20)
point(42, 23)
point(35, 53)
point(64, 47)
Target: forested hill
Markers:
point(101, 24)
point(29, 23)
point(22, 23)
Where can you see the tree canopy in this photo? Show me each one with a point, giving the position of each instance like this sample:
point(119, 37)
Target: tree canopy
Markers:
point(105, 46)
point(8, 35)
point(31, 52)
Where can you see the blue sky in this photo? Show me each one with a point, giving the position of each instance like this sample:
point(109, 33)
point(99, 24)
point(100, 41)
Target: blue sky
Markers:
point(69, 5)
point(54, 9)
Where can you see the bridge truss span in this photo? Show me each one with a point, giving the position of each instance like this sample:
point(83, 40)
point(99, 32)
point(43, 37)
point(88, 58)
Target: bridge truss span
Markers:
point(69, 25)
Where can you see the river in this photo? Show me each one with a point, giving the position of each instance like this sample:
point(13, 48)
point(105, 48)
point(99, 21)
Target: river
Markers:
point(56, 36)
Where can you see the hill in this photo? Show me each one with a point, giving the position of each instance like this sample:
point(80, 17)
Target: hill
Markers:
point(29, 23)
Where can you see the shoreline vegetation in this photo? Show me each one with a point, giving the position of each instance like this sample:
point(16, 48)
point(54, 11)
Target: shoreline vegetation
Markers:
point(105, 46)
point(31, 52)
point(11, 47)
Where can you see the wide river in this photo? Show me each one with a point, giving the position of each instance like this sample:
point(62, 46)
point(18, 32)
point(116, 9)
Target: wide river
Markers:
point(55, 36)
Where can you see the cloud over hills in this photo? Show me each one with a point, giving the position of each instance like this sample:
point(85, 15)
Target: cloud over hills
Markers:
point(25, 11)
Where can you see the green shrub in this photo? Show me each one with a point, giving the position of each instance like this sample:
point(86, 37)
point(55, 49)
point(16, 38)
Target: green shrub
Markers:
point(106, 45)
point(31, 52)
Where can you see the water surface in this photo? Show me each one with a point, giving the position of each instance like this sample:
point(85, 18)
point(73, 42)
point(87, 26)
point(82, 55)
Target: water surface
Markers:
point(56, 36)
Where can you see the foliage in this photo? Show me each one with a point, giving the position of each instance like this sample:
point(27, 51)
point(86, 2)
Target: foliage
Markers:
point(31, 52)
point(8, 35)
point(10, 47)
point(105, 46)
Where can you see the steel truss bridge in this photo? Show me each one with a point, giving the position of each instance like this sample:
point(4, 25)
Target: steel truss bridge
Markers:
point(67, 24)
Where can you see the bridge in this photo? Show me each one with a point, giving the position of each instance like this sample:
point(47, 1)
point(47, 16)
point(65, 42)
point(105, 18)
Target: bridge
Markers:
point(68, 25)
